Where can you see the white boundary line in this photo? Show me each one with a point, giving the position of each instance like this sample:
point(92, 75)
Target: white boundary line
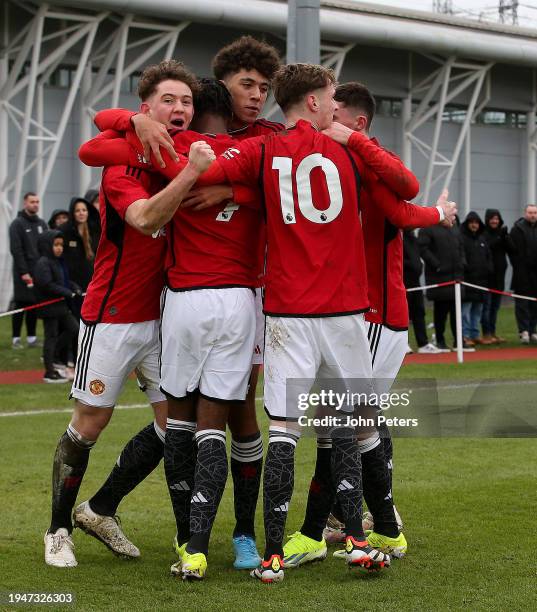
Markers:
point(69, 410)
point(138, 406)
point(61, 410)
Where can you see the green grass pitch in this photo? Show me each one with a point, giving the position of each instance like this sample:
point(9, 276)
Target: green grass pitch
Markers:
point(468, 506)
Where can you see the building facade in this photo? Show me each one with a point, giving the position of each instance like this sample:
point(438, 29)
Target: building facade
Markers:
point(456, 99)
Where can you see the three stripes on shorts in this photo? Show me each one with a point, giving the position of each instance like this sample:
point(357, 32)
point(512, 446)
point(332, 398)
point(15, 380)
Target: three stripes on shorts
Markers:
point(373, 335)
point(81, 373)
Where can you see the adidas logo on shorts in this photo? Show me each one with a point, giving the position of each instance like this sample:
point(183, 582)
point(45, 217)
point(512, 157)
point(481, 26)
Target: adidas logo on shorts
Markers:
point(282, 508)
point(199, 499)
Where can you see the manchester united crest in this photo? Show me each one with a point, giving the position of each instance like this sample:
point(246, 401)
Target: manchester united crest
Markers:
point(97, 387)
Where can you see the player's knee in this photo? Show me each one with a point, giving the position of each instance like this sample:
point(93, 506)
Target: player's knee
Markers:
point(212, 414)
point(182, 409)
point(90, 421)
point(242, 421)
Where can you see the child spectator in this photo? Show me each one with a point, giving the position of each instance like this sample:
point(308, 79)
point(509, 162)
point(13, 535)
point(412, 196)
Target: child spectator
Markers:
point(58, 217)
point(52, 281)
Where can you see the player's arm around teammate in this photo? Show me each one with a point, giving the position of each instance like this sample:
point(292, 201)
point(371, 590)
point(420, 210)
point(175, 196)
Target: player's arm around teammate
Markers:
point(384, 193)
point(148, 216)
point(119, 332)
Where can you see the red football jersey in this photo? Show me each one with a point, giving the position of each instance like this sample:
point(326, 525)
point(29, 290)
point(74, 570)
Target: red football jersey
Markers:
point(260, 127)
point(118, 119)
point(386, 165)
point(315, 258)
point(315, 262)
point(384, 260)
point(217, 246)
point(108, 148)
point(383, 240)
point(129, 267)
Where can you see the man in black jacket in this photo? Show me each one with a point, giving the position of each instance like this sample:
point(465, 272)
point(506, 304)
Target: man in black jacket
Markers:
point(442, 251)
point(523, 242)
point(412, 269)
point(23, 234)
point(495, 234)
point(476, 271)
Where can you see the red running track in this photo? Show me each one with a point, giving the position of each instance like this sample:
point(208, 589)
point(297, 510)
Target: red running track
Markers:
point(26, 377)
point(21, 377)
point(492, 354)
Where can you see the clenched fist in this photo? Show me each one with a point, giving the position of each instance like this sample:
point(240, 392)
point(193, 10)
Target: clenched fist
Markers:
point(201, 155)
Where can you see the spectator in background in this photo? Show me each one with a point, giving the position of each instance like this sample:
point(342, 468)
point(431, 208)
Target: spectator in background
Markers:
point(92, 196)
point(442, 251)
point(58, 217)
point(52, 281)
point(23, 234)
point(495, 235)
point(81, 241)
point(477, 270)
point(412, 269)
point(523, 254)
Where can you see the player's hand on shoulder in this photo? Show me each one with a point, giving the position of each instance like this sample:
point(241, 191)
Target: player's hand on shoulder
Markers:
point(153, 135)
point(338, 132)
point(201, 155)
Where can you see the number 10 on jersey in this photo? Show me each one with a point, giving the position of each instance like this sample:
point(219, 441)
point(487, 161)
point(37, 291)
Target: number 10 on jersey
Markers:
point(284, 167)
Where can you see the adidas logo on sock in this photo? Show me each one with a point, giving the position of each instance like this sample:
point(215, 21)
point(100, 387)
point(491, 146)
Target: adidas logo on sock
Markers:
point(180, 486)
point(199, 499)
point(344, 485)
point(282, 508)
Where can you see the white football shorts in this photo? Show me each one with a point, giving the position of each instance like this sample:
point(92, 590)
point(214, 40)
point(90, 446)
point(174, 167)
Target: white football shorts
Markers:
point(388, 350)
point(108, 353)
point(207, 342)
point(299, 351)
